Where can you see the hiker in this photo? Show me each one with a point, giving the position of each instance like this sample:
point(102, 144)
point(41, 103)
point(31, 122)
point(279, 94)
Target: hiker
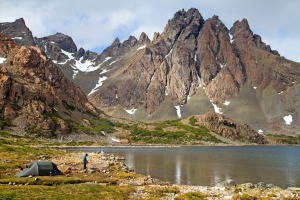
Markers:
point(84, 160)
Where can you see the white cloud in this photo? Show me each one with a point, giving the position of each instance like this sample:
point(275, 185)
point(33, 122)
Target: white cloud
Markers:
point(94, 24)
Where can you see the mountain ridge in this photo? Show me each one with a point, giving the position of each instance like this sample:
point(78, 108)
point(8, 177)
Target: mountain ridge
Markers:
point(182, 72)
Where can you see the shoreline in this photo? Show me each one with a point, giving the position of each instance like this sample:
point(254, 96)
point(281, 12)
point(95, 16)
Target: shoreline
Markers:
point(161, 146)
point(227, 189)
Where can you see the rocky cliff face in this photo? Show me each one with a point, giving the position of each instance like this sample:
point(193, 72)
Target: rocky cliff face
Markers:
point(34, 94)
point(18, 32)
point(229, 128)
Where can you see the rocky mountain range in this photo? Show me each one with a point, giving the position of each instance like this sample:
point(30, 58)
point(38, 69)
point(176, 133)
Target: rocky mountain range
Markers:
point(194, 66)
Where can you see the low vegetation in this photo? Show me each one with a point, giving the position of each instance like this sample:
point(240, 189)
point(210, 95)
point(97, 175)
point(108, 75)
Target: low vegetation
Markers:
point(191, 196)
point(78, 191)
point(169, 132)
point(97, 126)
point(4, 122)
point(16, 151)
point(283, 139)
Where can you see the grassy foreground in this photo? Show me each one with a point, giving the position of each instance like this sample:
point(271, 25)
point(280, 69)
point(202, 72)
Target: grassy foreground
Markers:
point(114, 183)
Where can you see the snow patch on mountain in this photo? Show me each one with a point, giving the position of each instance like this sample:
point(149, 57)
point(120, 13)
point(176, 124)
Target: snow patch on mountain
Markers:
point(168, 53)
point(288, 119)
point(199, 80)
point(231, 38)
point(226, 103)
point(141, 47)
point(67, 54)
point(104, 71)
point(99, 84)
point(75, 73)
point(2, 60)
point(216, 108)
point(86, 66)
point(178, 111)
point(94, 68)
point(113, 62)
point(131, 111)
point(115, 140)
point(17, 38)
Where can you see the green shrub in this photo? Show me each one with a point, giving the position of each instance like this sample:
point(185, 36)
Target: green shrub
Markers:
point(68, 106)
point(191, 196)
point(4, 122)
point(7, 196)
point(193, 121)
point(103, 124)
point(86, 143)
point(77, 127)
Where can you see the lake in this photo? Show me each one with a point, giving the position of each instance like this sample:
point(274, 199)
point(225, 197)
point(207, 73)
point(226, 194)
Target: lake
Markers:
point(208, 166)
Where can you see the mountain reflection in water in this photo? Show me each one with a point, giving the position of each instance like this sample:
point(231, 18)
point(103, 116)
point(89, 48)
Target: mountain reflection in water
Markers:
point(210, 165)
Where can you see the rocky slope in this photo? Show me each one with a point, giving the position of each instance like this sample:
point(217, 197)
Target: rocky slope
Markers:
point(229, 128)
point(192, 67)
point(34, 94)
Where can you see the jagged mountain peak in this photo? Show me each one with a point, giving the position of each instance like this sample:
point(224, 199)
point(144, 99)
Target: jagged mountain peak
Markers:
point(144, 39)
point(80, 52)
point(20, 20)
point(116, 42)
point(131, 40)
point(241, 31)
point(181, 20)
point(18, 32)
point(63, 41)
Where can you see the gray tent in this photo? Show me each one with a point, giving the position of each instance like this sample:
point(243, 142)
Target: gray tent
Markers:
point(40, 168)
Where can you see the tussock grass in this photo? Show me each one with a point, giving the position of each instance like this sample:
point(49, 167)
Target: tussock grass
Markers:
point(81, 191)
point(283, 139)
point(191, 196)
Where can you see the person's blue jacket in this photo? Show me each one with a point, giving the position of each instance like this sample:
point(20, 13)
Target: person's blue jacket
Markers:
point(84, 159)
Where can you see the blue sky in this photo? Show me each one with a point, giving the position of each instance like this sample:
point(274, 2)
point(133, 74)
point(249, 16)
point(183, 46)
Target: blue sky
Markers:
point(94, 24)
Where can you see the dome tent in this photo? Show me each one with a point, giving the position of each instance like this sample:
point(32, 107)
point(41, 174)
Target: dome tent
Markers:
point(40, 168)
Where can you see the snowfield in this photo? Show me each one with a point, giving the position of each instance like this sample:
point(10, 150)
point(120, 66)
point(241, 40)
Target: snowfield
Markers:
point(131, 111)
point(2, 60)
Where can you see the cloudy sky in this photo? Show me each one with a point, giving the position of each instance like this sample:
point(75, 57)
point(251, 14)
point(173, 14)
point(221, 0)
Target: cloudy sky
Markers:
point(94, 24)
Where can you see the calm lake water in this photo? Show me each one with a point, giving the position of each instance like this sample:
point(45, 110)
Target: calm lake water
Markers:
point(210, 165)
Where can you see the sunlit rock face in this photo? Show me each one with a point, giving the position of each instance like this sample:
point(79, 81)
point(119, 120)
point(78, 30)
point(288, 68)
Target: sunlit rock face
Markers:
point(35, 94)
